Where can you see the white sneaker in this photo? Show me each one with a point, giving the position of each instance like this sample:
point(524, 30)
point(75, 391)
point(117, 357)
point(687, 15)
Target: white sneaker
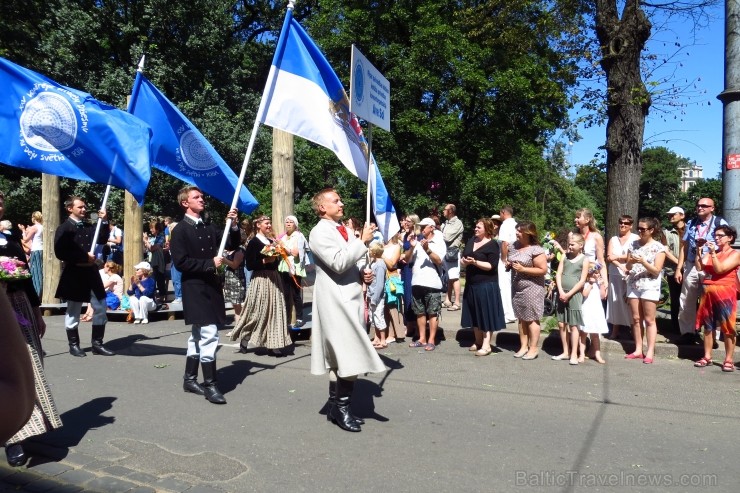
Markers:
point(177, 301)
point(137, 321)
point(144, 321)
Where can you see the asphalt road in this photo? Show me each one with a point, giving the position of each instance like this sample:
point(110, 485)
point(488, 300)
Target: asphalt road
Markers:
point(442, 421)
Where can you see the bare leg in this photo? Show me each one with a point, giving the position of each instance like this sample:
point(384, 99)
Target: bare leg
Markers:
point(573, 344)
point(486, 344)
point(421, 324)
point(563, 330)
point(729, 347)
point(636, 325)
point(478, 344)
point(533, 332)
point(581, 346)
point(523, 341)
point(708, 343)
point(651, 328)
point(433, 323)
point(596, 348)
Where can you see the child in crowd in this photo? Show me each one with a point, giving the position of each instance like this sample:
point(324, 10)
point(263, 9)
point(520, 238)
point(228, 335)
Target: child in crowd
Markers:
point(570, 278)
point(141, 293)
point(594, 322)
point(376, 294)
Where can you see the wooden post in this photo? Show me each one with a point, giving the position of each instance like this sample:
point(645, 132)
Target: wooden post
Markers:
point(133, 224)
point(282, 178)
point(50, 209)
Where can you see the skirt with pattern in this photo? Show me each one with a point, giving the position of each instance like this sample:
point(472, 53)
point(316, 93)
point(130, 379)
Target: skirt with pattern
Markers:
point(263, 321)
point(717, 308)
point(45, 416)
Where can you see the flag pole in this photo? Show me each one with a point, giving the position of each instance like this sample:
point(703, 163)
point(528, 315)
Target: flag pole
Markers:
point(258, 117)
point(135, 90)
point(370, 169)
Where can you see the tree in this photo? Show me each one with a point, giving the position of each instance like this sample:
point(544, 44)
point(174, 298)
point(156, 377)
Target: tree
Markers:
point(660, 183)
point(622, 38)
point(711, 188)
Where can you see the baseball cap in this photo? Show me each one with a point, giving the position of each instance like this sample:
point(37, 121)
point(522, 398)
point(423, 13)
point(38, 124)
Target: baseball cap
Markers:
point(496, 217)
point(427, 221)
point(675, 209)
point(143, 265)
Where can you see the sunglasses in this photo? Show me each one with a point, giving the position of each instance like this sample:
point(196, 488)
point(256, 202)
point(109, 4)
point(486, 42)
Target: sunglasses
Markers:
point(642, 230)
point(703, 206)
point(625, 223)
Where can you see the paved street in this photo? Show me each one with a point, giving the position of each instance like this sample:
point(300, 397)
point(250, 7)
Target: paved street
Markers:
point(442, 420)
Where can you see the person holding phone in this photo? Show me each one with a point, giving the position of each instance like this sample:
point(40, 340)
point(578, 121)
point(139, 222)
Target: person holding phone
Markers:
point(698, 230)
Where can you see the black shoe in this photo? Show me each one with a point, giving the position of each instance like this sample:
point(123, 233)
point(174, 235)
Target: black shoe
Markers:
point(73, 337)
point(210, 390)
point(190, 379)
point(98, 332)
point(332, 401)
point(15, 454)
point(340, 413)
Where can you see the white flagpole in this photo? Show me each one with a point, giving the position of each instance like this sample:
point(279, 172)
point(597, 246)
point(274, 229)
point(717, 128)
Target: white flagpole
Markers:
point(268, 89)
point(107, 188)
point(370, 171)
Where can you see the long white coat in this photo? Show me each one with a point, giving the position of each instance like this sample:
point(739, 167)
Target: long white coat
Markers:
point(338, 338)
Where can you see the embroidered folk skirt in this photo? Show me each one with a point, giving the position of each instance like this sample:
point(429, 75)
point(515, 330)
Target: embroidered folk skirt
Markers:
point(263, 321)
point(45, 416)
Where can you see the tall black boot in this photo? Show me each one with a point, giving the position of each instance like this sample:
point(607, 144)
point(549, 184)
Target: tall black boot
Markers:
point(73, 336)
point(210, 389)
point(98, 332)
point(340, 413)
point(190, 378)
point(332, 401)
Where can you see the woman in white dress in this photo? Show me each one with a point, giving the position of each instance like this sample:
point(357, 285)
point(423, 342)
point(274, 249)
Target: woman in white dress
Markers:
point(617, 309)
point(592, 309)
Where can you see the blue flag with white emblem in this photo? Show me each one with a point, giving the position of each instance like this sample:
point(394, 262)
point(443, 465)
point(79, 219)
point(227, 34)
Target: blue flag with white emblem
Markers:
point(61, 131)
point(179, 149)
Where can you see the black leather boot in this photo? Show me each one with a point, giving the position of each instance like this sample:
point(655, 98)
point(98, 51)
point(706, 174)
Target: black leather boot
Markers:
point(190, 378)
point(15, 455)
point(98, 332)
point(340, 412)
point(73, 336)
point(210, 389)
point(333, 399)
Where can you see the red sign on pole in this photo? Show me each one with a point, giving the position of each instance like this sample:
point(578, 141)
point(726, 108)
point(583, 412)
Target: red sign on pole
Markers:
point(733, 161)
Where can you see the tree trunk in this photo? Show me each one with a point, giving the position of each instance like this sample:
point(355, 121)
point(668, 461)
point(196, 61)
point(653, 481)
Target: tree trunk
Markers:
point(50, 209)
point(628, 101)
point(133, 227)
point(282, 178)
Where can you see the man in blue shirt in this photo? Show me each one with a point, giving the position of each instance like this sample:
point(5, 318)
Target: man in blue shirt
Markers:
point(698, 231)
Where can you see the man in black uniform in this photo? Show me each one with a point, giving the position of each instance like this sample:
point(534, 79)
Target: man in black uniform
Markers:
point(194, 249)
point(80, 280)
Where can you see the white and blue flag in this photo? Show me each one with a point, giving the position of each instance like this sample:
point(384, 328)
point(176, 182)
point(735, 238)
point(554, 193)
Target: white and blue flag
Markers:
point(54, 129)
point(179, 149)
point(304, 96)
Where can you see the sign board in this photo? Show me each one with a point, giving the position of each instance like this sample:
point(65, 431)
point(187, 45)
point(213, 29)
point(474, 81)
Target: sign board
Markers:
point(370, 92)
point(733, 161)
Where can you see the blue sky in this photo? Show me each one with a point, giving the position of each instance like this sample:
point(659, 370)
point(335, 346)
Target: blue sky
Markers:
point(693, 131)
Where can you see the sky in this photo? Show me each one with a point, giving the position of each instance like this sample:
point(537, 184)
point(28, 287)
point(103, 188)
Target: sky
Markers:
point(693, 131)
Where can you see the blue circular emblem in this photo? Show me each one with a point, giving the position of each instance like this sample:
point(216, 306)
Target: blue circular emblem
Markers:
point(359, 82)
point(194, 153)
point(49, 123)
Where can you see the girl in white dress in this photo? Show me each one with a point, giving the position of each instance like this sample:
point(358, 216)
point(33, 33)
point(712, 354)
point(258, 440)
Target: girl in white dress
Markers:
point(592, 309)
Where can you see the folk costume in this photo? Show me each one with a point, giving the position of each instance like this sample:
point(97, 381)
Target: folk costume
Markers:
point(80, 282)
point(193, 246)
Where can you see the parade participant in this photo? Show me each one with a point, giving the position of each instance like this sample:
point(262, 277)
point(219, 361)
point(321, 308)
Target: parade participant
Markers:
point(339, 342)
point(194, 247)
point(24, 304)
point(80, 280)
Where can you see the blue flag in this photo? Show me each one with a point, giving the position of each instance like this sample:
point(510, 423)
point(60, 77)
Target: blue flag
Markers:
point(304, 96)
point(61, 131)
point(179, 149)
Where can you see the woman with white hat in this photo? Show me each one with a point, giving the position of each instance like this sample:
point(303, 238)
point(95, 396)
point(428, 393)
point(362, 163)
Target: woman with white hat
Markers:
point(141, 293)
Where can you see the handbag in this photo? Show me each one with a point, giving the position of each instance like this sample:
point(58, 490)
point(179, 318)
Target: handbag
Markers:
point(452, 253)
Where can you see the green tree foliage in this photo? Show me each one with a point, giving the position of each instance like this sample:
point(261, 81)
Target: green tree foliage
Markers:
point(711, 188)
point(660, 183)
point(592, 179)
point(478, 89)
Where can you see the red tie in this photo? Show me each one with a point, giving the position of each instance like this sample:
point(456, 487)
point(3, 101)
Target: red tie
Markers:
point(343, 232)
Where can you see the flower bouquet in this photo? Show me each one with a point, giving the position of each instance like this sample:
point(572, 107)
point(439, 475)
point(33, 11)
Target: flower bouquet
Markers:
point(546, 241)
point(12, 269)
point(274, 250)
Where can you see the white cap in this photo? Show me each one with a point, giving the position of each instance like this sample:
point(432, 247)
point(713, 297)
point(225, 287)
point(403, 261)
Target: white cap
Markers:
point(427, 221)
point(675, 209)
point(496, 217)
point(143, 265)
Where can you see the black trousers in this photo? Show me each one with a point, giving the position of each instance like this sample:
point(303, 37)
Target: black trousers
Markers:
point(293, 294)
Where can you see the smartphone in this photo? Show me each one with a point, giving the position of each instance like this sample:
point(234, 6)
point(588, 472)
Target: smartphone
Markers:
point(419, 237)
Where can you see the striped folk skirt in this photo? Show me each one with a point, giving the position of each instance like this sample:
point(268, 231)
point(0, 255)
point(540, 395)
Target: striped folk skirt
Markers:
point(263, 321)
point(36, 266)
point(44, 416)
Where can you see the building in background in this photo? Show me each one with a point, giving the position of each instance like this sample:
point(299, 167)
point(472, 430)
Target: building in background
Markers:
point(690, 175)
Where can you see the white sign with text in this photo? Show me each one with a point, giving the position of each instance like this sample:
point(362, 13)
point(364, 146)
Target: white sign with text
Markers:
point(370, 92)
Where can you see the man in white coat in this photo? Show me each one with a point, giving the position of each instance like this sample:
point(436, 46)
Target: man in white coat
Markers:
point(339, 341)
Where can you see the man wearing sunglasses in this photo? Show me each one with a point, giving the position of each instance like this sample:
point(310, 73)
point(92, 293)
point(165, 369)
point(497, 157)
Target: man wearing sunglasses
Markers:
point(698, 231)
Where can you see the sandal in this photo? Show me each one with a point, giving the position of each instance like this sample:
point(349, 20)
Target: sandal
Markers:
point(429, 347)
point(453, 308)
point(728, 366)
point(417, 344)
point(473, 348)
point(701, 363)
point(446, 304)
